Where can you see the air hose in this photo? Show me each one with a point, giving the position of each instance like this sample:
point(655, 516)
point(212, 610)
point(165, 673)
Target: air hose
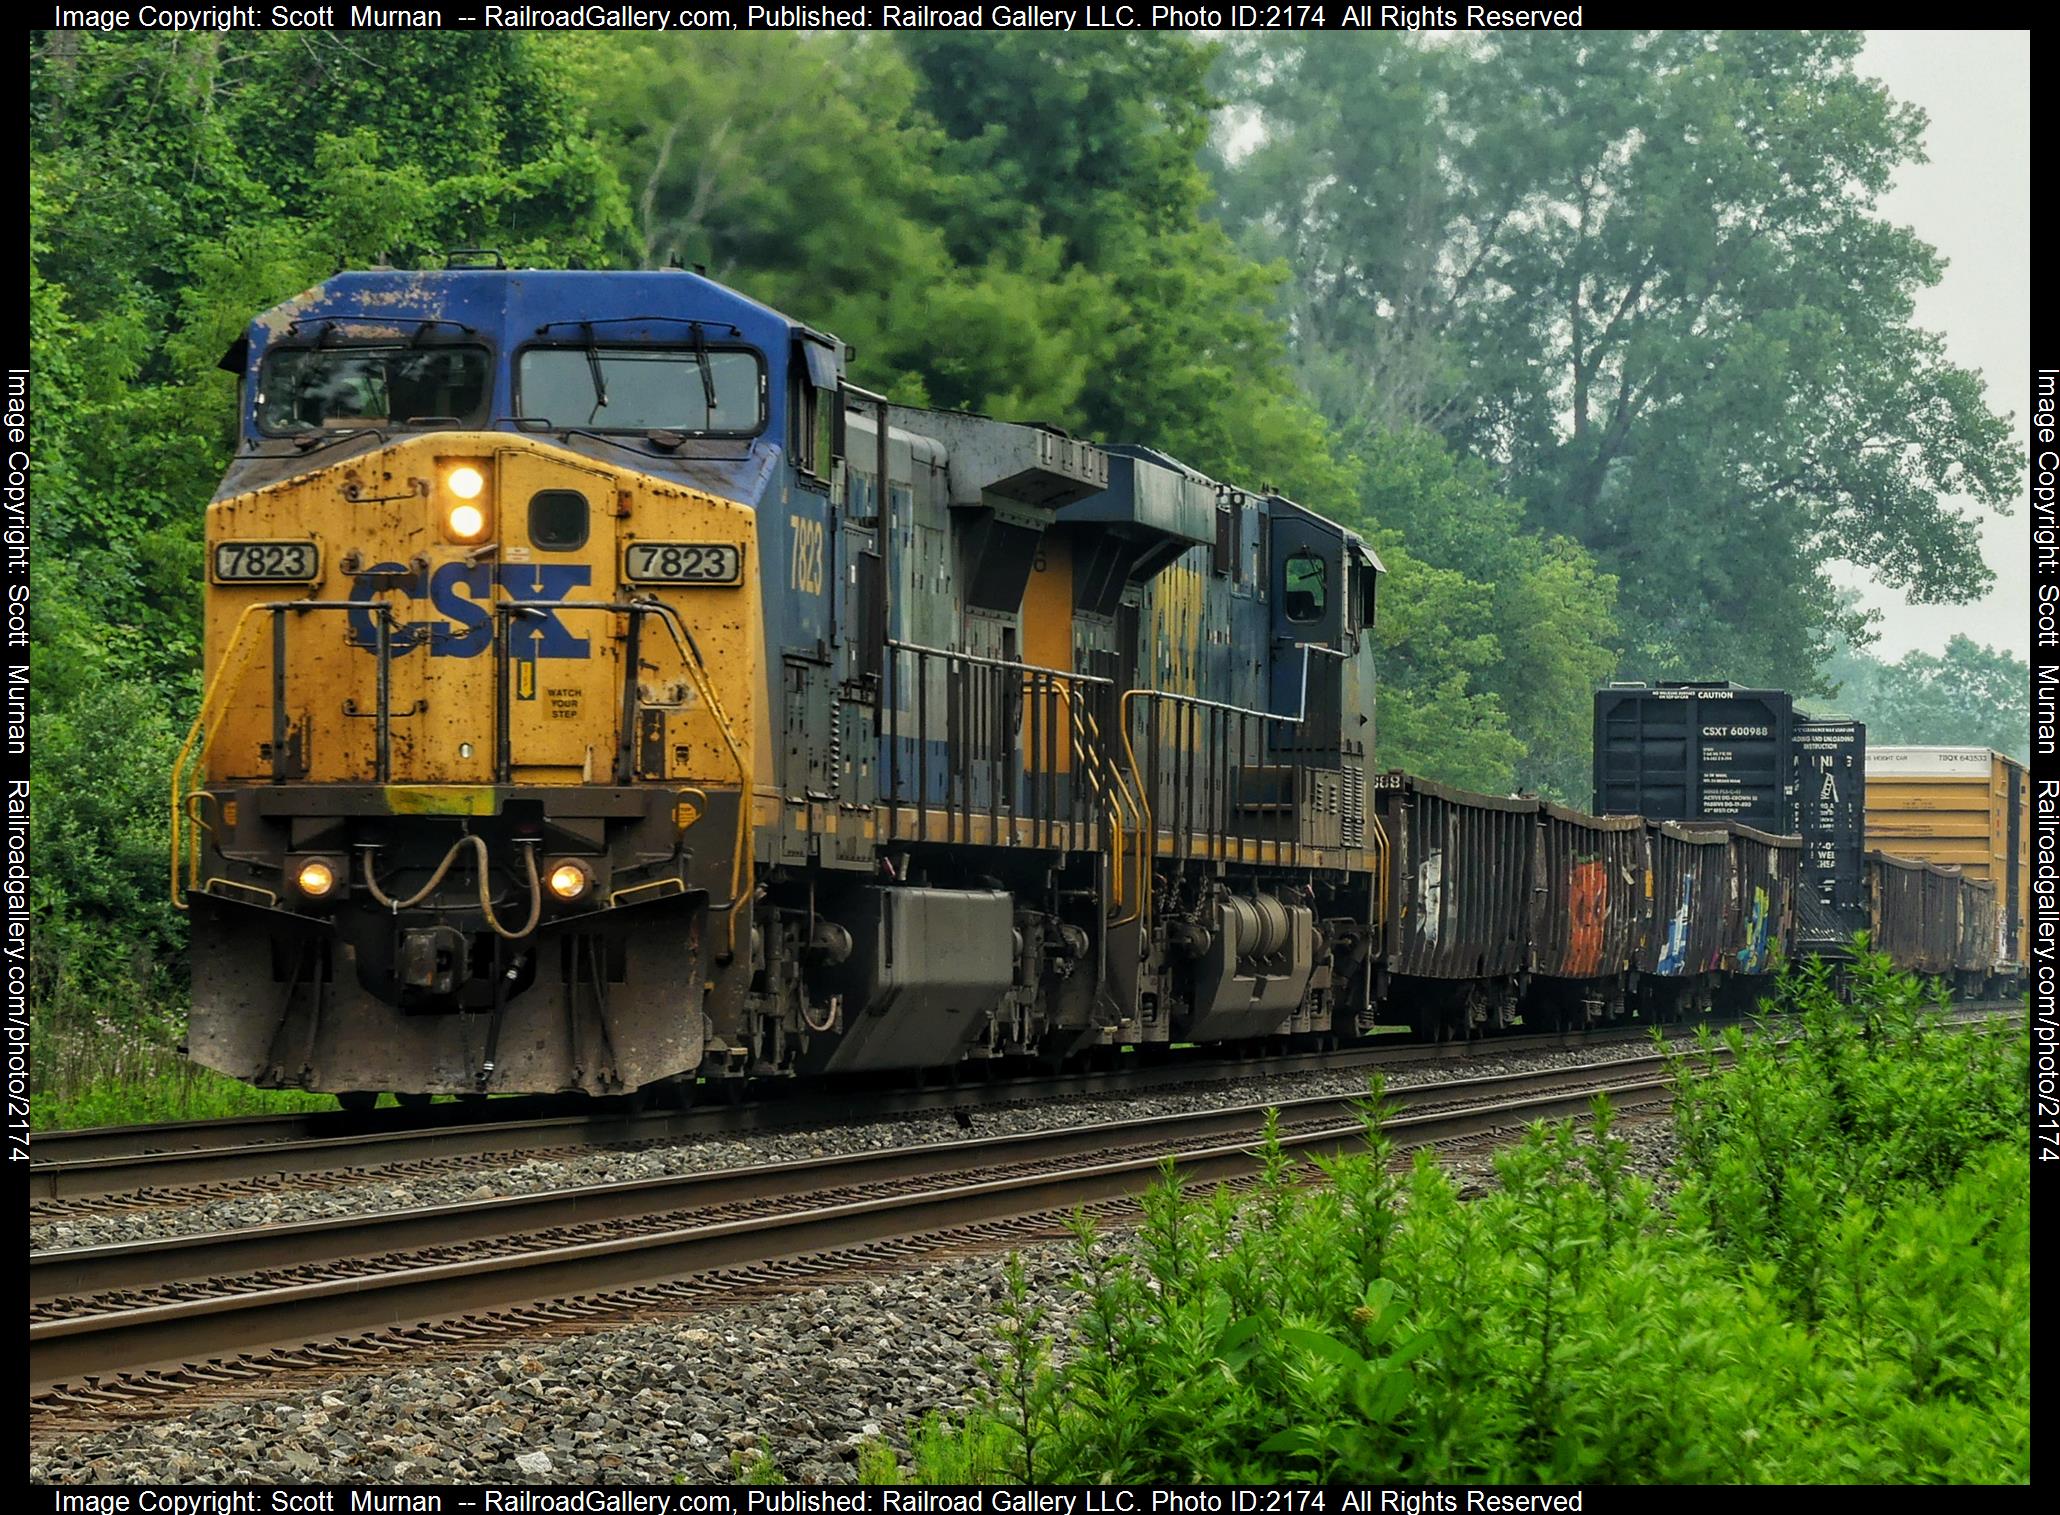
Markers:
point(536, 890)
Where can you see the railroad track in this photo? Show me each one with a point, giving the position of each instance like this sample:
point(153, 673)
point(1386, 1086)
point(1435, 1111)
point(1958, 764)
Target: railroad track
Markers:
point(109, 1320)
point(98, 1170)
point(154, 1166)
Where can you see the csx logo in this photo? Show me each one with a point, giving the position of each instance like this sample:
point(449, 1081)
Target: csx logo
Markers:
point(464, 592)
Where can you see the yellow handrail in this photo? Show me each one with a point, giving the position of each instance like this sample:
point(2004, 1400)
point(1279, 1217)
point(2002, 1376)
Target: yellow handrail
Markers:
point(1085, 737)
point(1149, 844)
point(741, 873)
point(186, 751)
point(1121, 802)
point(740, 868)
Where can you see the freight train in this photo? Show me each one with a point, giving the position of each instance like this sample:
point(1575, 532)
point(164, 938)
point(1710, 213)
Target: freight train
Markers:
point(602, 693)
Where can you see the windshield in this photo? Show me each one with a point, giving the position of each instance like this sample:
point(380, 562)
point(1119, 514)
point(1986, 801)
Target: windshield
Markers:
point(303, 387)
point(641, 389)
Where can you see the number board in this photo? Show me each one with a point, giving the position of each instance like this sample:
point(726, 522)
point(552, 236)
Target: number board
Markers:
point(266, 562)
point(683, 563)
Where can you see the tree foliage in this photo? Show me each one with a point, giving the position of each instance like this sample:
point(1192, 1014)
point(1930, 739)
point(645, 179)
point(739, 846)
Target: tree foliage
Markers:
point(1969, 696)
point(1641, 274)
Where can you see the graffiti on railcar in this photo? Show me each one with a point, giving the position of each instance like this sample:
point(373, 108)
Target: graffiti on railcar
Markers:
point(1430, 892)
point(1759, 935)
point(1587, 905)
point(1673, 958)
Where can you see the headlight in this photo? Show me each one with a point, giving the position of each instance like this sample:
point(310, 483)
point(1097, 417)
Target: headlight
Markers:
point(317, 878)
point(468, 510)
point(569, 880)
point(465, 523)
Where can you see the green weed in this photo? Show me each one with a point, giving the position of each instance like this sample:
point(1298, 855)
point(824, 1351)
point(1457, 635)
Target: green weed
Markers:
point(1838, 1291)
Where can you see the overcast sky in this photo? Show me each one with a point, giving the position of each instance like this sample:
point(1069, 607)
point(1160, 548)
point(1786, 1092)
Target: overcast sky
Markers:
point(1972, 202)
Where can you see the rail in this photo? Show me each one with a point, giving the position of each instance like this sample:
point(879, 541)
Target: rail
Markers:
point(127, 1308)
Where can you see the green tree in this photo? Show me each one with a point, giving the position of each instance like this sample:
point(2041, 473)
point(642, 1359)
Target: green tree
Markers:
point(1541, 613)
point(1643, 275)
point(1093, 141)
point(1437, 644)
point(1968, 696)
point(798, 168)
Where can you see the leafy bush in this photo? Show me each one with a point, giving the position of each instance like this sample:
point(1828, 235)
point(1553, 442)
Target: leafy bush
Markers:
point(1839, 1291)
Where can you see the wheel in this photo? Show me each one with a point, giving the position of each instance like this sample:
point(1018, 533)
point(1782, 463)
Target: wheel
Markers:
point(358, 1101)
point(413, 1101)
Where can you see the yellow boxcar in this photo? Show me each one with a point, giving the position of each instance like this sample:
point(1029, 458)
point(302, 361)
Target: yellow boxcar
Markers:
point(1966, 806)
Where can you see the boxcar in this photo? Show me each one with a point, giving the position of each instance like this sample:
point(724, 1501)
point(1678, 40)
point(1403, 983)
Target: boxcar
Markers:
point(1686, 925)
point(1458, 929)
point(1587, 913)
point(1916, 912)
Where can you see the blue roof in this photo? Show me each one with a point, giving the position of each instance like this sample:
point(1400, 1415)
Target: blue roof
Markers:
point(508, 308)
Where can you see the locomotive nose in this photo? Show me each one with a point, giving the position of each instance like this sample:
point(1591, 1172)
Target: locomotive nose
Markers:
point(470, 782)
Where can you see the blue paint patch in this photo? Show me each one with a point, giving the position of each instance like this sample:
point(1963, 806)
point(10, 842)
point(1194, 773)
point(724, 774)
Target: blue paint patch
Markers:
point(1673, 957)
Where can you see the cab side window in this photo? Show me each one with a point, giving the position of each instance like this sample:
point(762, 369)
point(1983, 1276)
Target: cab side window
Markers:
point(1303, 587)
point(811, 407)
point(808, 428)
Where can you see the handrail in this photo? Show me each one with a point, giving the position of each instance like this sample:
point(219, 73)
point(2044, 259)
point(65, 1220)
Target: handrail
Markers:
point(690, 658)
point(186, 851)
point(1380, 872)
point(741, 878)
point(1123, 805)
point(895, 644)
point(277, 609)
point(1197, 702)
point(1067, 689)
point(207, 697)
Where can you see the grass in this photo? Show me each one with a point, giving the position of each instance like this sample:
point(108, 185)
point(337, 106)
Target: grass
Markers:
point(97, 1070)
point(1835, 1289)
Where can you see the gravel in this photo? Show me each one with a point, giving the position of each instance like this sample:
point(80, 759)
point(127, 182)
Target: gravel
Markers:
point(1651, 1150)
point(515, 1175)
point(804, 1379)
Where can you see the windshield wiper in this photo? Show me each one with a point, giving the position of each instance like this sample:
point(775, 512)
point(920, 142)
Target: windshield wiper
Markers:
point(707, 373)
point(594, 368)
point(318, 439)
